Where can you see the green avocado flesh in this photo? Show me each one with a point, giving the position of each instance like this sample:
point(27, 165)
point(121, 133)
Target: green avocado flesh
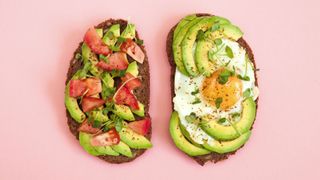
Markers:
point(72, 104)
point(227, 146)
point(220, 132)
point(133, 139)
point(109, 115)
point(181, 142)
point(84, 140)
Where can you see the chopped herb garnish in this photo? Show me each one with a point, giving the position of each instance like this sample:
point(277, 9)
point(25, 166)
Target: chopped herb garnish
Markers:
point(196, 91)
point(245, 78)
point(121, 39)
point(200, 35)
point(224, 76)
point(104, 58)
point(110, 35)
point(96, 124)
point(217, 41)
point(78, 56)
point(191, 118)
point(105, 129)
point(229, 52)
point(227, 64)
point(218, 102)
point(215, 27)
point(117, 122)
point(114, 48)
point(196, 101)
point(222, 120)
point(247, 93)
point(117, 73)
point(234, 115)
point(139, 41)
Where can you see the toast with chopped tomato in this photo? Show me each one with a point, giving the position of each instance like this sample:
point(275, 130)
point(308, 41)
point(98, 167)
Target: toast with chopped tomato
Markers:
point(107, 93)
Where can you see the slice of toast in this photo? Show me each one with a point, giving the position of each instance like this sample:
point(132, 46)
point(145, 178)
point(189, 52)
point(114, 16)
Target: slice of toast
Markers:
point(215, 157)
point(142, 93)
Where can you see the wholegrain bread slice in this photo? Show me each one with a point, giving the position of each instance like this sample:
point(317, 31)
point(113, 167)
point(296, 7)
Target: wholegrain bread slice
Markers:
point(215, 157)
point(142, 93)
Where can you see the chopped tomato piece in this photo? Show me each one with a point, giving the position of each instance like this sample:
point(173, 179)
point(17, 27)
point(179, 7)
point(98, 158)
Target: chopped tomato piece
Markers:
point(141, 127)
point(90, 103)
point(93, 85)
point(87, 127)
point(133, 50)
point(131, 81)
point(95, 43)
point(124, 96)
point(117, 61)
point(77, 88)
point(106, 139)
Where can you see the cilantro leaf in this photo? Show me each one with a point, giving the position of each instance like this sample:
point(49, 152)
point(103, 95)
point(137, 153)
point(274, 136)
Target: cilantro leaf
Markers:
point(218, 102)
point(121, 39)
point(229, 52)
point(104, 58)
point(224, 76)
point(96, 124)
point(191, 118)
point(139, 41)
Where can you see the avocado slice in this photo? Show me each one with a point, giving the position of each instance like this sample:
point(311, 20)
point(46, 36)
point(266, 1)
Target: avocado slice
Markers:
point(123, 149)
point(140, 111)
point(98, 116)
point(133, 139)
point(111, 36)
point(123, 112)
point(107, 85)
point(84, 140)
point(180, 141)
point(72, 104)
point(189, 40)
point(133, 69)
point(227, 146)
point(129, 31)
point(176, 45)
point(100, 32)
point(88, 55)
point(225, 133)
point(182, 23)
point(204, 65)
point(186, 134)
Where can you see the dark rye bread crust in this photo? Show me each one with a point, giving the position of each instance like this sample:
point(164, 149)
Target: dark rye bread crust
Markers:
point(215, 157)
point(142, 93)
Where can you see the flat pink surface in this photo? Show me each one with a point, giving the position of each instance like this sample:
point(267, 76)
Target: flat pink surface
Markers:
point(37, 40)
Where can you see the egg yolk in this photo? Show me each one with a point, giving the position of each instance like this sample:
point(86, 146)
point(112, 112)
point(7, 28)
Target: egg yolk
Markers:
point(230, 92)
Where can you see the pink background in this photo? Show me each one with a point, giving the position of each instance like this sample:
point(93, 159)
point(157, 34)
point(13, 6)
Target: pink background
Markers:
point(38, 38)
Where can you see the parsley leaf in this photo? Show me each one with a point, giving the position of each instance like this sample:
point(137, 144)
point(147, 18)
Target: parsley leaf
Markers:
point(229, 52)
point(218, 102)
point(234, 115)
point(117, 122)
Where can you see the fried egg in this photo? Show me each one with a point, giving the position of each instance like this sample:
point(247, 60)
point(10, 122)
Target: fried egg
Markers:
point(199, 95)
